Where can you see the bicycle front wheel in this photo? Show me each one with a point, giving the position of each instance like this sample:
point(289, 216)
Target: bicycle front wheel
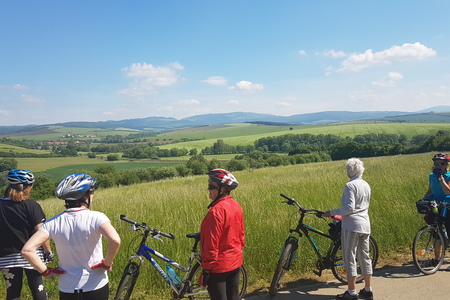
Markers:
point(202, 293)
point(338, 265)
point(428, 249)
point(126, 285)
point(283, 265)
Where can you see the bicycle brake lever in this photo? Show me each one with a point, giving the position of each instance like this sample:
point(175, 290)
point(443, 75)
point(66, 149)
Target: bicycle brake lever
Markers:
point(134, 227)
point(157, 237)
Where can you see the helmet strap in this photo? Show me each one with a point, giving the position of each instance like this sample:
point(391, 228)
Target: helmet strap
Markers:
point(219, 195)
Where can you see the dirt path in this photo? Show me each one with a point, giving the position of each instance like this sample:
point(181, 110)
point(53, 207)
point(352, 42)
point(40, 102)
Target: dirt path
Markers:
point(398, 283)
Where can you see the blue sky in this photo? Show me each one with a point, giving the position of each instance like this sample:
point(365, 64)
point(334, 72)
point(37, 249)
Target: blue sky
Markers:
point(112, 60)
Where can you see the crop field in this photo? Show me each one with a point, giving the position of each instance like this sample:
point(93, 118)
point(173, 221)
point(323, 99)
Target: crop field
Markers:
point(342, 130)
point(55, 133)
point(16, 149)
point(178, 206)
point(224, 131)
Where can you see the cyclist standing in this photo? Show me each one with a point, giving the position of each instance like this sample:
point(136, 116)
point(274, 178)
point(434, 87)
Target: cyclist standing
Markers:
point(77, 233)
point(439, 189)
point(19, 219)
point(222, 238)
point(355, 233)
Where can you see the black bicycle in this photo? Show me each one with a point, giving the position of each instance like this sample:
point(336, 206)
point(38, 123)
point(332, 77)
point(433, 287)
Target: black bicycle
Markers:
point(431, 240)
point(184, 286)
point(329, 259)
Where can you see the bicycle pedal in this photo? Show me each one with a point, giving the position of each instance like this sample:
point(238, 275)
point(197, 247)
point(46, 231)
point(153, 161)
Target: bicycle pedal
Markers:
point(318, 273)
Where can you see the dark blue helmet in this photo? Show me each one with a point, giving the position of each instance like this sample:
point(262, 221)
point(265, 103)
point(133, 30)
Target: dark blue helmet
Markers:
point(20, 176)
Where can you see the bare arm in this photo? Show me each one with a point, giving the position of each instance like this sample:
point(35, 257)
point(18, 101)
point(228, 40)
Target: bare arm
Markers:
point(444, 185)
point(46, 244)
point(29, 250)
point(111, 235)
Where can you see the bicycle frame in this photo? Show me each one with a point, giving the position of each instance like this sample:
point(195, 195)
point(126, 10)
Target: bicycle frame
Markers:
point(147, 252)
point(303, 229)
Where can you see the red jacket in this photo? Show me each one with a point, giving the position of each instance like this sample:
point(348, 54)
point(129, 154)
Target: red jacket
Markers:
point(222, 236)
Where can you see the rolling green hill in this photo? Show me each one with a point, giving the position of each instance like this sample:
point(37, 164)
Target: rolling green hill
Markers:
point(230, 135)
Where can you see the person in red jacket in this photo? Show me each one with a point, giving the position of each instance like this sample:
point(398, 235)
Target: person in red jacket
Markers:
point(222, 238)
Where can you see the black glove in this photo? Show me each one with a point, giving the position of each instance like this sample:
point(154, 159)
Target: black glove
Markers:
point(204, 278)
point(48, 257)
point(437, 172)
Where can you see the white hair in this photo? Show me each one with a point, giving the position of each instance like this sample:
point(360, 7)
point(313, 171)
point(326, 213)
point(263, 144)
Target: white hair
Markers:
point(355, 167)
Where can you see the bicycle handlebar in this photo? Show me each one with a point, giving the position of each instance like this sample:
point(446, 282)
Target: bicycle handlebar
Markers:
point(291, 201)
point(143, 225)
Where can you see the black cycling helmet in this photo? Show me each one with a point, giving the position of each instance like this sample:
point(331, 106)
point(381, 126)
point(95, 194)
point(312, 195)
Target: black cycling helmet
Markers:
point(20, 176)
point(75, 186)
point(224, 178)
point(441, 156)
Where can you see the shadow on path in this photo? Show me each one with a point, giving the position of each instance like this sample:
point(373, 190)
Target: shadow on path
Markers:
point(405, 282)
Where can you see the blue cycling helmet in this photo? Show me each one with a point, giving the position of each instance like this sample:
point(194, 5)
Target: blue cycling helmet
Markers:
point(75, 186)
point(20, 176)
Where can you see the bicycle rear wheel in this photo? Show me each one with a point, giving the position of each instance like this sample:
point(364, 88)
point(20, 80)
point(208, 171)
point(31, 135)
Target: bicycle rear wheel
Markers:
point(202, 293)
point(338, 265)
point(283, 265)
point(428, 244)
point(126, 285)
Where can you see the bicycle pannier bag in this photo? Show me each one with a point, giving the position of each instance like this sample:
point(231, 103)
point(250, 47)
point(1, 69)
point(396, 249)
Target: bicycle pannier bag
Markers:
point(423, 206)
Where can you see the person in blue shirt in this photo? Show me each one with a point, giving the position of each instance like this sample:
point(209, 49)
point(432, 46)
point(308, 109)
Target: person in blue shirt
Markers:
point(439, 190)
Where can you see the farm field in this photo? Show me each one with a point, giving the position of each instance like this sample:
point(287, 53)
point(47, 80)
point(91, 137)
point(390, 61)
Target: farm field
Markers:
point(178, 206)
point(55, 133)
point(10, 148)
point(342, 130)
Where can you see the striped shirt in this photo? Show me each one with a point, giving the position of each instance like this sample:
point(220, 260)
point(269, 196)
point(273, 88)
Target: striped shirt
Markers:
point(16, 260)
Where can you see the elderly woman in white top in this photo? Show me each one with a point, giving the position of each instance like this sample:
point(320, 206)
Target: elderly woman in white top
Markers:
point(355, 234)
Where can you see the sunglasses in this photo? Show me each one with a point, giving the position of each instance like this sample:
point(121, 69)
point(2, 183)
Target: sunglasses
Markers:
point(212, 187)
point(440, 163)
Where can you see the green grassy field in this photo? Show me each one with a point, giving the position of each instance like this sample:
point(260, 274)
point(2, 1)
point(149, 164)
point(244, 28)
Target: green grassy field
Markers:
point(10, 148)
point(178, 206)
point(55, 133)
point(229, 136)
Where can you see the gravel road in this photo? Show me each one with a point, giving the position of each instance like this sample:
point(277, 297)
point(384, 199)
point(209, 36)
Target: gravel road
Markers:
point(398, 283)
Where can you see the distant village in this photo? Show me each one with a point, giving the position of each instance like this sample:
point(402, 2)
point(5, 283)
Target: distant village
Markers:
point(72, 136)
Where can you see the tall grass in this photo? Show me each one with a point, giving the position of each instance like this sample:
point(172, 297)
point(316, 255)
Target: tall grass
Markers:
point(178, 206)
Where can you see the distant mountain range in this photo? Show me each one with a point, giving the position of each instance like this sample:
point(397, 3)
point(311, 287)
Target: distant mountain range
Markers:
point(164, 124)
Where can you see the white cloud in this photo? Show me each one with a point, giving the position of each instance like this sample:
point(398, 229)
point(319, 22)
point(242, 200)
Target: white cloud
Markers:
point(31, 99)
point(4, 112)
point(147, 78)
point(284, 104)
point(302, 52)
point(216, 80)
point(246, 86)
point(14, 87)
point(233, 102)
point(188, 102)
point(389, 80)
point(407, 51)
point(333, 54)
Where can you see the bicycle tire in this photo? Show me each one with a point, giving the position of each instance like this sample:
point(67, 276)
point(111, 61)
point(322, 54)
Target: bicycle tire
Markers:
point(195, 273)
point(338, 266)
point(424, 249)
point(128, 281)
point(283, 265)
